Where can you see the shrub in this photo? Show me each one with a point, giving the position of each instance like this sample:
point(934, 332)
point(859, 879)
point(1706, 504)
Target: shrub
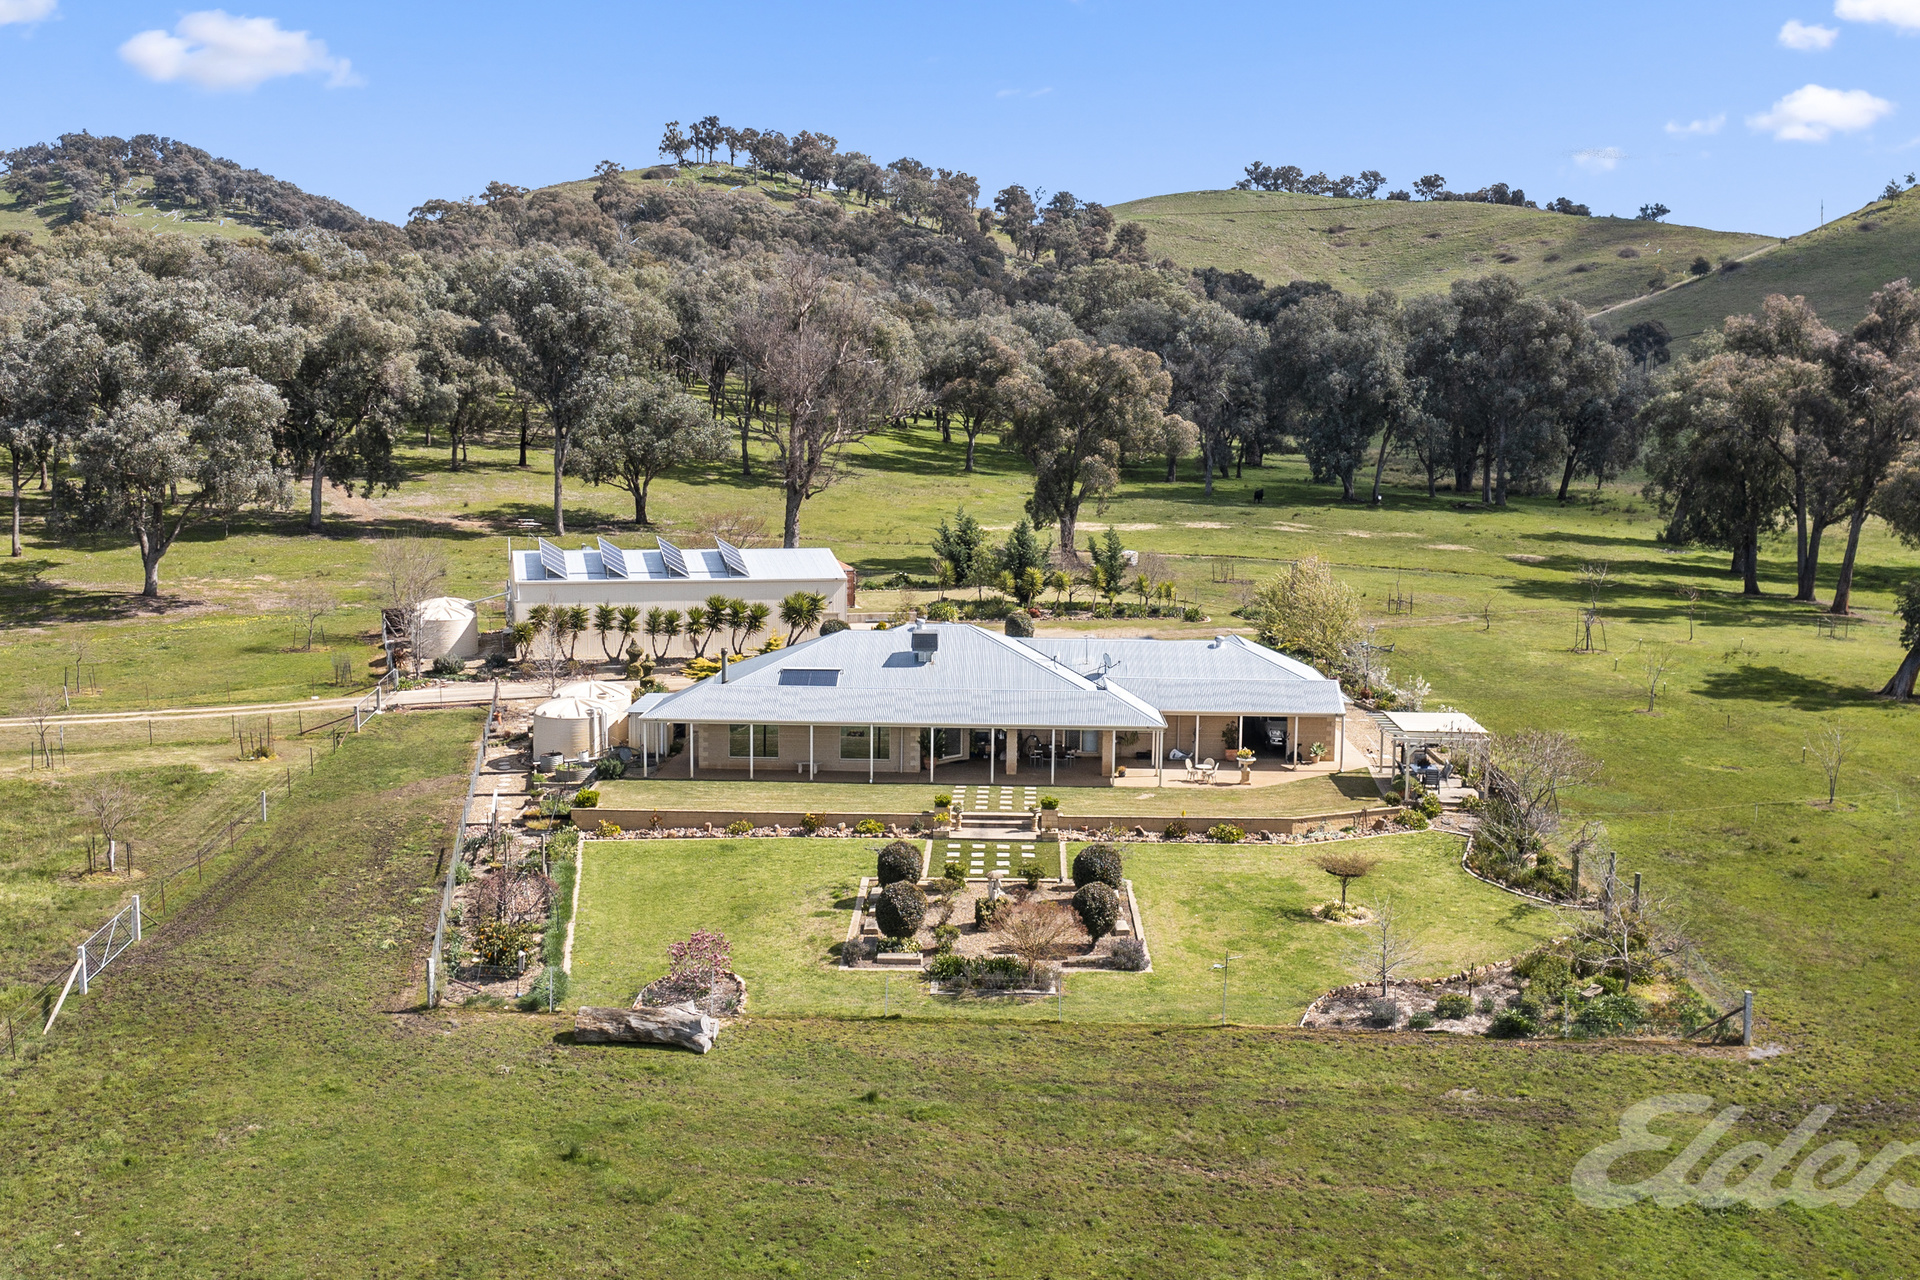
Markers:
point(1430, 805)
point(500, 942)
point(1420, 1022)
point(1129, 954)
point(898, 861)
point(869, 827)
point(944, 936)
point(739, 827)
point(1512, 1024)
point(1177, 831)
point(586, 798)
point(1031, 872)
point(1550, 973)
point(943, 611)
point(1050, 803)
point(610, 767)
point(1414, 820)
point(910, 946)
point(811, 823)
point(983, 909)
point(1383, 1012)
point(1484, 1004)
point(952, 876)
point(1098, 907)
point(537, 994)
point(942, 800)
point(1226, 833)
point(608, 831)
point(1611, 1015)
point(854, 950)
point(1099, 863)
point(947, 967)
point(448, 665)
point(833, 626)
point(901, 909)
point(1020, 624)
point(1192, 614)
point(1393, 797)
point(998, 972)
point(1452, 1004)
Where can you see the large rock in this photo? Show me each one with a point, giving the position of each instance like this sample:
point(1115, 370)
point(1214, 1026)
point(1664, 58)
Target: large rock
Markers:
point(680, 1025)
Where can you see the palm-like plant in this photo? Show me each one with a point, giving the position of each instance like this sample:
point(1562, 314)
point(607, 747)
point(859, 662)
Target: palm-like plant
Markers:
point(801, 612)
point(578, 620)
point(754, 621)
point(698, 632)
point(606, 622)
point(627, 618)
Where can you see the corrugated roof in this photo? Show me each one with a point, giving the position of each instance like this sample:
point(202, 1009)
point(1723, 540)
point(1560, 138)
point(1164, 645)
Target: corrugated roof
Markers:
point(778, 564)
point(977, 677)
point(1227, 675)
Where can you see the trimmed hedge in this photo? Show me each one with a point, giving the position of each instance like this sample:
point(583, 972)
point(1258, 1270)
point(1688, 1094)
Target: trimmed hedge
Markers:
point(901, 909)
point(898, 861)
point(1099, 863)
point(1098, 907)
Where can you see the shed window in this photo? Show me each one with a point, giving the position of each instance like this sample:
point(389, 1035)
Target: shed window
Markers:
point(853, 743)
point(765, 740)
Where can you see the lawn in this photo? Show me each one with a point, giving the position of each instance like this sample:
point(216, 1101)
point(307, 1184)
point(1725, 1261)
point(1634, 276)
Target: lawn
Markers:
point(784, 903)
point(1315, 793)
point(256, 1092)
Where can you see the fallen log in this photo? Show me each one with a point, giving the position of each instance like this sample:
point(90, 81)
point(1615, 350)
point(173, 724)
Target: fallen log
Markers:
point(680, 1025)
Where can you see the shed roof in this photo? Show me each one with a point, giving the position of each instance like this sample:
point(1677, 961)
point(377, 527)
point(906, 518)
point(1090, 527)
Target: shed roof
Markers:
point(1227, 675)
point(702, 564)
point(1431, 724)
point(976, 677)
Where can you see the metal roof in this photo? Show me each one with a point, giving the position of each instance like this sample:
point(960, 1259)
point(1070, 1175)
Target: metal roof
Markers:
point(1227, 675)
point(978, 677)
point(548, 562)
point(1431, 724)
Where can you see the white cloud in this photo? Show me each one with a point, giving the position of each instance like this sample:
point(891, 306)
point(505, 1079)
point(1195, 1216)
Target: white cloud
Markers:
point(1812, 113)
point(12, 11)
point(1798, 35)
point(1599, 159)
point(215, 50)
point(1903, 14)
point(1710, 125)
point(1007, 93)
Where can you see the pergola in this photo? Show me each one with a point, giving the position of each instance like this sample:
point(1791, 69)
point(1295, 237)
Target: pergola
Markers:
point(1404, 732)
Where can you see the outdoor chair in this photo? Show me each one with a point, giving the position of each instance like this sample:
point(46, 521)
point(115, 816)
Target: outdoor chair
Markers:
point(1191, 773)
point(1208, 768)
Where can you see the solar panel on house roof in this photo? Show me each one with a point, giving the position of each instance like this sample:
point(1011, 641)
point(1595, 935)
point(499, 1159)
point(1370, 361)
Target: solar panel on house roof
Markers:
point(613, 560)
point(676, 563)
point(816, 677)
point(736, 563)
point(553, 560)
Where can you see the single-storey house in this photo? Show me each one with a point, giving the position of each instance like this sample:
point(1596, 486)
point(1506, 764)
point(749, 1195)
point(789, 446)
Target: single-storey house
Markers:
point(671, 577)
point(914, 699)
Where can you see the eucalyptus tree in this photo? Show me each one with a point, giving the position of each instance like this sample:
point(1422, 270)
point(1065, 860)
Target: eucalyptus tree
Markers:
point(1212, 358)
point(457, 385)
point(835, 366)
point(971, 365)
point(1340, 367)
point(645, 428)
point(345, 396)
point(1878, 377)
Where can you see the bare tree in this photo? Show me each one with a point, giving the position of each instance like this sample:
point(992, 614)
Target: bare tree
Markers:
point(1829, 747)
point(1654, 660)
point(311, 601)
point(1346, 867)
point(110, 803)
point(1691, 594)
point(1525, 776)
point(41, 709)
point(551, 666)
point(1631, 931)
point(731, 524)
point(835, 367)
point(1036, 932)
point(407, 569)
point(1382, 946)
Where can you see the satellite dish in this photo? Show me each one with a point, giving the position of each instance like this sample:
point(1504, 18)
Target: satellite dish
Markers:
point(1106, 662)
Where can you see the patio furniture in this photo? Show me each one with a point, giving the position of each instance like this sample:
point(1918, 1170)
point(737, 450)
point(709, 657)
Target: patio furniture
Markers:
point(1190, 771)
point(1208, 768)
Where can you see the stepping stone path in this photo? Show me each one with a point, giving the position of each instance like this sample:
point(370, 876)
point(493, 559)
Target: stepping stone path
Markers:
point(981, 856)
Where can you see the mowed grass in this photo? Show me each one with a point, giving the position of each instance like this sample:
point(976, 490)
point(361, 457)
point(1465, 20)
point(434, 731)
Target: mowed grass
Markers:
point(1418, 247)
point(255, 1091)
point(784, 904)
point(1312, 793)
point(1836, 267)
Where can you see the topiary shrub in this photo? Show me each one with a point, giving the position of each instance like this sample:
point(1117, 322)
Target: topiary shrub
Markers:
point(1099, 863)
point(1020, 624)
point(1050, 803)
point(869, 827)
point(1098, 908)
point(1512, 1024)
point(739, 827)
point(898, 861)
point(1129, 954)
point(586, 798)
point(942, 799)
point(1226, 833)
point(1452, 1004)
point(901, 909)
point(833, 626)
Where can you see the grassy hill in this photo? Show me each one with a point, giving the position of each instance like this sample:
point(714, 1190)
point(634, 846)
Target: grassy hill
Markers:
point(1836, 268)
point(1417, 248)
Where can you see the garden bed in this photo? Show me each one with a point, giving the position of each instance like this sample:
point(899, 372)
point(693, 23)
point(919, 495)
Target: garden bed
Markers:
point(725, 997)
point(978, 941)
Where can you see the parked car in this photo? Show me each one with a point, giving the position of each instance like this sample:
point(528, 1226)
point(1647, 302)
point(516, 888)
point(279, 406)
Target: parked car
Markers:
point(1270, 729)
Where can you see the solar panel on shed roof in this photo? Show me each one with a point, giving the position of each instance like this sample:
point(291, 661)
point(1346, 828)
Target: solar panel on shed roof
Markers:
point(613, 560)
point(676, 563)
point(736, 563)
point(553, 560)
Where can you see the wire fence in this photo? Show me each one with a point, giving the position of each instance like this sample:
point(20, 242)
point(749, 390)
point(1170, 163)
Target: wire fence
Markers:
point(457, 850)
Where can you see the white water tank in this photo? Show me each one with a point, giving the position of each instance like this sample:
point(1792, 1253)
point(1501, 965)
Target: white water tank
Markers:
point(613, 698)
point(573, 727)
point(447, 627)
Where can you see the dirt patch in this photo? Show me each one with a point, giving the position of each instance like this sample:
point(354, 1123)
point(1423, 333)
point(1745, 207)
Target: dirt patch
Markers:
point(1288, 527)
point(1204, 524)
point(1526, 557)
point(1444, 546)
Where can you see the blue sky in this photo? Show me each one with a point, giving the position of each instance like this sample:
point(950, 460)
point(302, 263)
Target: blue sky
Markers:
point(1742, 116)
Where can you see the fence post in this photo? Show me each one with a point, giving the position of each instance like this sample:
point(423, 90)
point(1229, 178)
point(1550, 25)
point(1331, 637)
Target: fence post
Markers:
point(1636, 892)
point(263, 806)
point(82, 949)
point(136, 917)
point(431, 964)
point(1746, 1020)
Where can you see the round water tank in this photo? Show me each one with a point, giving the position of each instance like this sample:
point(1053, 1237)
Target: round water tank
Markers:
point(570, 726)
point(613, 700)
point(447, 627)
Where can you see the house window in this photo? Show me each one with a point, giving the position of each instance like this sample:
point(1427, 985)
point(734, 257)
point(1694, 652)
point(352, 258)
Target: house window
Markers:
point(766, 741)
point(853, 743)
point(1090, 741)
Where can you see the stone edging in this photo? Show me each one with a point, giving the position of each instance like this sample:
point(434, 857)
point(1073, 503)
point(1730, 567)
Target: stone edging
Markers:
point(1467, 848)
